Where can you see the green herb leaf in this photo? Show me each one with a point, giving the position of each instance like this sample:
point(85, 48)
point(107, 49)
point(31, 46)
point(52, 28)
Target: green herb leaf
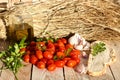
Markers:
point(98, 47)
point(67, 52)
point(22, 42)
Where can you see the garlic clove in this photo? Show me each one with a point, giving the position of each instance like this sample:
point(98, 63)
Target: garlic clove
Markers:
point(87, 47)
point(80, 68)
point(84, 54)
point(75, 39)
point(78, 47)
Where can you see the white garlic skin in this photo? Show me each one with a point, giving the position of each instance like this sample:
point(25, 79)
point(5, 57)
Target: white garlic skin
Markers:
point(75, 39)
point(79, 42)
point(80, 68)
point(78, 47)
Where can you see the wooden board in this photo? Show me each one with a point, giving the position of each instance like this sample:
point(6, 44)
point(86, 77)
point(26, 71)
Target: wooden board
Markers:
point(107, 76)
point(43, 74)
point(116, 66)
point(70, 74)
point(24, 73)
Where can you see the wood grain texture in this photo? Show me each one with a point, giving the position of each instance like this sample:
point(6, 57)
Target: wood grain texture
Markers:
point(107, 76)
point(38, 74)
point(24, 72)
point(70, 74)
point(115, 67)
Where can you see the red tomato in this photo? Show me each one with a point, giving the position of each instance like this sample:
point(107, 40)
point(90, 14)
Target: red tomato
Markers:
point(66, 59)
point(71, 63)
point(69, 46)
point(39, 54)
point(61, 44)
point(47, 55)
point(33, 43)
point(42, 43)
point(26, 58)
point(59, 40)
point(51, 51)
point(62, 49)
point(50, 62)
point(60, 54)
point(77, 60)
point(22, 50)
point(44, 60)
point(75, 53)
point(51, 67)
point(63, 40)
point(27, 52)
point(40, 64)
point(51, 46)
point(59, 63)
point(33, 59)
point(56, 45)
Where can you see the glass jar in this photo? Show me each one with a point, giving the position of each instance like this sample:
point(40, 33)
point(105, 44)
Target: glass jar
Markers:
point(20, 26)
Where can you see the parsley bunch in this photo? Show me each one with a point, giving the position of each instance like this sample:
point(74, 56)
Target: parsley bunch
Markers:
point(12, 58)
point(98, 47)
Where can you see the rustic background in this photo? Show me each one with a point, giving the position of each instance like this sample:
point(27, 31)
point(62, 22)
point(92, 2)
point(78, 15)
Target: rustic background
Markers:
point(93, 19)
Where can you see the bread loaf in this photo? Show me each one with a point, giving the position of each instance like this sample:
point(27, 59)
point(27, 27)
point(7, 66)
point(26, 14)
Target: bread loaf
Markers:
point(97, 64)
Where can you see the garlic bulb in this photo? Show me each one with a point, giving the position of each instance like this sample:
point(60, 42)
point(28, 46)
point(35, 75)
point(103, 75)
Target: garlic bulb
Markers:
point(78, 47)
point(79, 42)
point(75, 39)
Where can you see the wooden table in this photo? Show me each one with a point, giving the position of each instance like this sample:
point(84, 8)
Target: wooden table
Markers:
point(30, 72)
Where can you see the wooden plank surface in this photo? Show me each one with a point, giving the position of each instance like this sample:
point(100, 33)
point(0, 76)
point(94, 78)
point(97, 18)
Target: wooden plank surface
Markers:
point(107, 76)
point(70, 74)
point(43, 74)
point(24, 73)
point(116, 66)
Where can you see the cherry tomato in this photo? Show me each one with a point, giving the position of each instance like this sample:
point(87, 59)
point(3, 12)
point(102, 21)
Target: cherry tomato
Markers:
point(44, 60)
point(71, 63)
point(75, 53)
point(56, 45)
point(22, 50)
point(50, 62)
point(33, 59)
point(51, 46)
point(59, 63)
point(77, 60)
point(51, 67)
point(40, 64)
point(26, 58)
point(47, 55)
point(59, 40)
point(33, 43)
point(62, 49)
point(66, 59)
point(60, 55)
point(39, 54)
point(27, 52)
point(61, 44)
point(64, 40)
point(51, 51)
point(42, 43)
point(69, 46)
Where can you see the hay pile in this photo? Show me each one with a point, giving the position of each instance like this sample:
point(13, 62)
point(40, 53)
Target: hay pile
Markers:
point(93, 19)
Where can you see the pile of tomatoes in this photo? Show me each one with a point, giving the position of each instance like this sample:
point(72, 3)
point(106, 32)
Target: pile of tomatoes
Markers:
point(51, 54)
